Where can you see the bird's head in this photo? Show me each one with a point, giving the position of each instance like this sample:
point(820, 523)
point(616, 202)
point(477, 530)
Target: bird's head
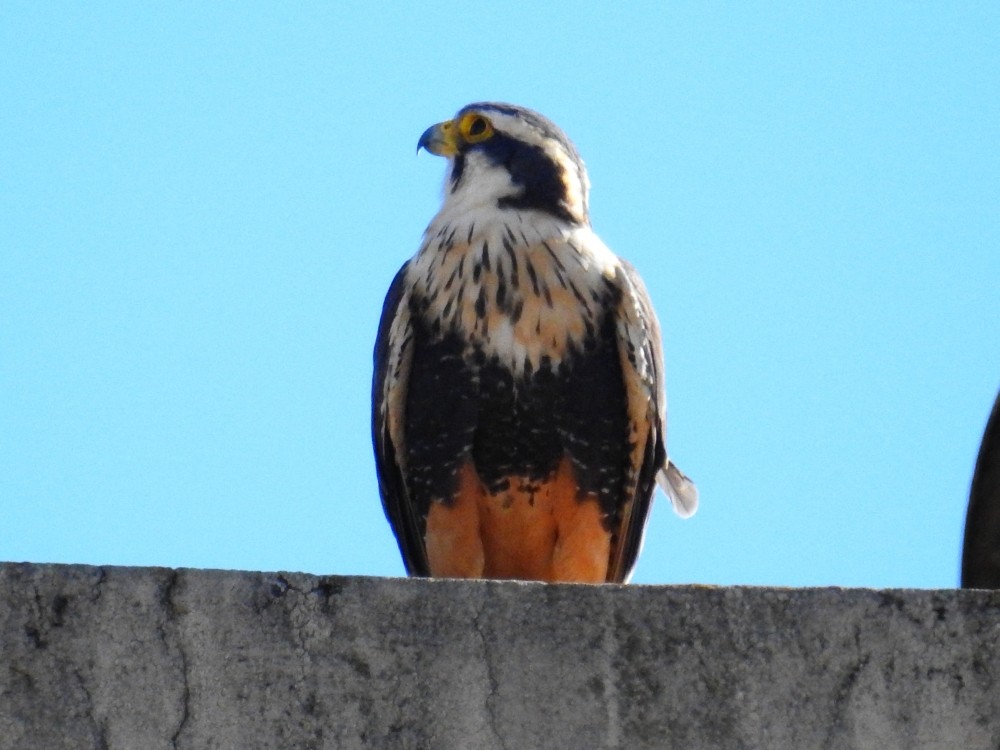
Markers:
point(504, 157)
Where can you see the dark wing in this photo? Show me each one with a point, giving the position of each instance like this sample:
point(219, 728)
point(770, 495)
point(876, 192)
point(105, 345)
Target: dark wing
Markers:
point(393, 355)
point(981, 551)
point(641, 356)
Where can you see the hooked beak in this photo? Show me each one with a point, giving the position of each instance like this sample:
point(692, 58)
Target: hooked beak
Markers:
point(439, 139)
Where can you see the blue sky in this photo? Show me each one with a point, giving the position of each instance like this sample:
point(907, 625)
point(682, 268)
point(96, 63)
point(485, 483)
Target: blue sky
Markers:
point(202, 205)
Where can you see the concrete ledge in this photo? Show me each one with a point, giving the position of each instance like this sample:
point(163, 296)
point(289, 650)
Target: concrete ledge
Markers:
point(142, 659)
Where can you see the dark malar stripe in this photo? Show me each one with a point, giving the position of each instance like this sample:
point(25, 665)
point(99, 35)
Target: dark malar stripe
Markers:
point(458, 166)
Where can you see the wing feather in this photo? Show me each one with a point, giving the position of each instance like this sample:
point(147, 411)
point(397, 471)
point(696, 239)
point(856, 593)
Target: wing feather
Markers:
point(393, 355)
point(641, 354)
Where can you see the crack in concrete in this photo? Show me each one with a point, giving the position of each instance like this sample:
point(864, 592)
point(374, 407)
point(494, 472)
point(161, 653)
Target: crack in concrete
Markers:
point(185, 700)
point(172, 616)
point(298, 611)
point(844, 690)
point(98, 585)
point(99, 728)
point(609, 652)
point(491, 678)
point(47, 616)
point(34, 630)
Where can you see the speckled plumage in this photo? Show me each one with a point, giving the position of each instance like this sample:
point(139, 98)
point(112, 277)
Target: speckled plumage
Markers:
point(515, 344)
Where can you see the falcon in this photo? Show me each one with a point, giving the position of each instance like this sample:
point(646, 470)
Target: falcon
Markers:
point(519, 414)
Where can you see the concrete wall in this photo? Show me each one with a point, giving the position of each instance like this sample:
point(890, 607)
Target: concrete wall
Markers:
point(144, 659)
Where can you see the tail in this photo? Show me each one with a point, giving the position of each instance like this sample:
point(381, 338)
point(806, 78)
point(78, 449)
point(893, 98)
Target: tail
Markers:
point(681, 490)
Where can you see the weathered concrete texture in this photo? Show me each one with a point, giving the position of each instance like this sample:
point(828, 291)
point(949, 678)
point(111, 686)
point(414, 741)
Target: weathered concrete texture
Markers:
point(142, 659)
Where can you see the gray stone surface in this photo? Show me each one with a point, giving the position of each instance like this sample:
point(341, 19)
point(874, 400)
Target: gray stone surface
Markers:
point(143, 659)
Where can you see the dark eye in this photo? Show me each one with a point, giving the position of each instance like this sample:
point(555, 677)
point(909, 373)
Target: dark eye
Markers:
point(477, 127)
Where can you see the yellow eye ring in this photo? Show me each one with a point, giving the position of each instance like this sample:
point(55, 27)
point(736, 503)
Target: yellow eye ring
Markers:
point(475, 128)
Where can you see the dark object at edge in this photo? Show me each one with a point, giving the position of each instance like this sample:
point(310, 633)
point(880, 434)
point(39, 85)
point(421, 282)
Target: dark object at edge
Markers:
point(981, 551)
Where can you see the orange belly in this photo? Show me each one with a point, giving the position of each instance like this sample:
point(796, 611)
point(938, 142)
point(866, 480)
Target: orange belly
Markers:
point(543, 531)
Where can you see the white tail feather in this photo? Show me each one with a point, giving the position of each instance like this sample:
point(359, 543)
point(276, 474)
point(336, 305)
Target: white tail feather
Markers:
point(681, 490)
